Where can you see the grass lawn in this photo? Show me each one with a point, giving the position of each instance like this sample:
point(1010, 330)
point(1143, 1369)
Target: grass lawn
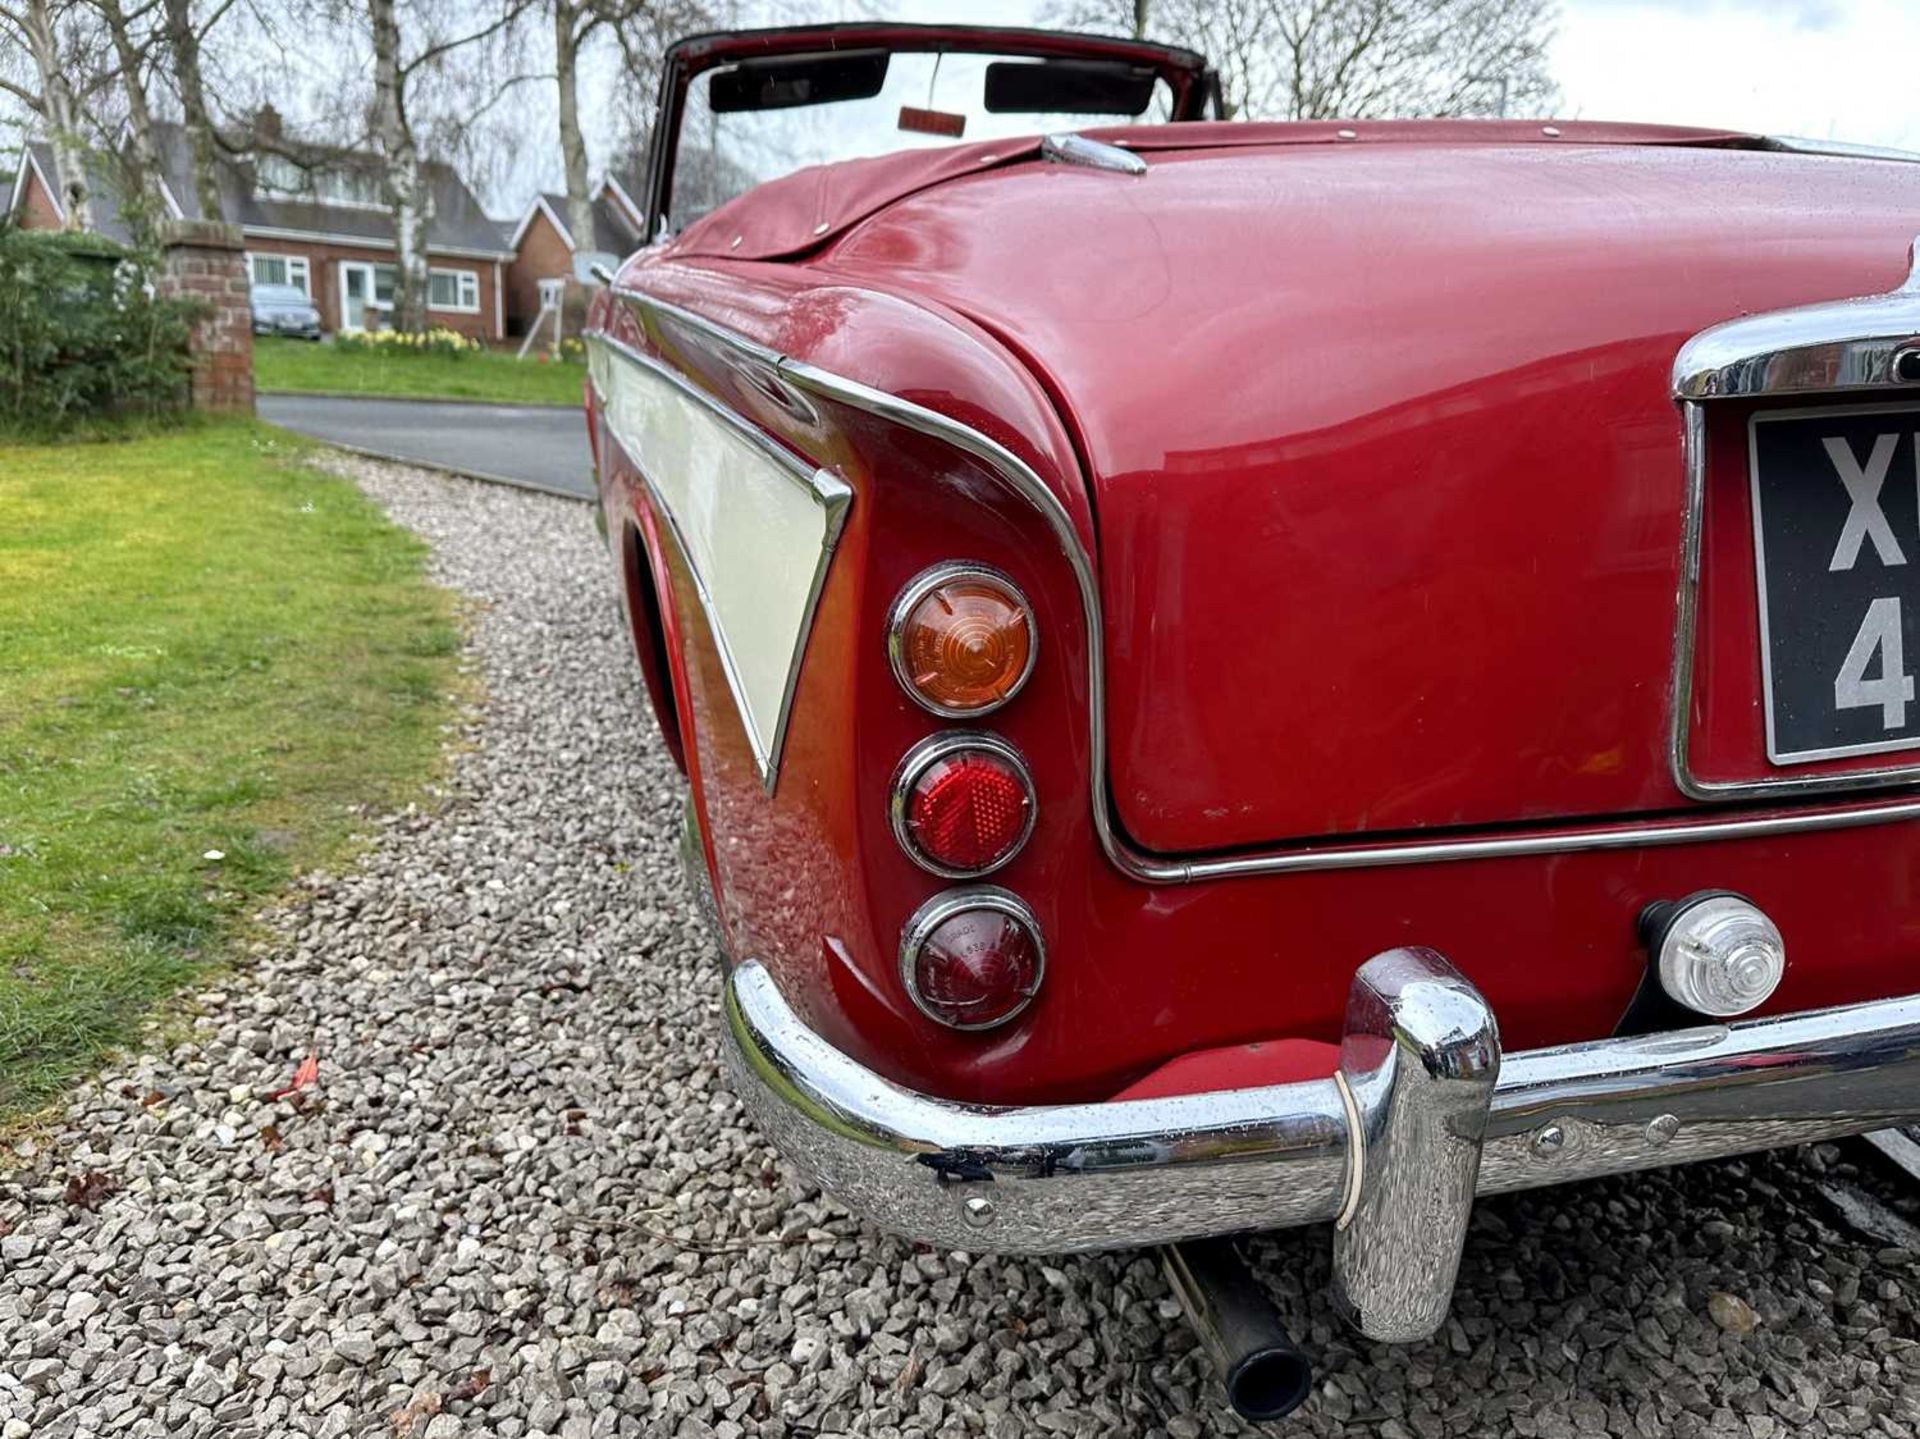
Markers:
point(216, 662)
point(302, 366)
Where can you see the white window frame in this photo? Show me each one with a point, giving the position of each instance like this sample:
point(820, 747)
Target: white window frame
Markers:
point(299, 270)
point(330, 188)
point(465, 283)
point(298, 180)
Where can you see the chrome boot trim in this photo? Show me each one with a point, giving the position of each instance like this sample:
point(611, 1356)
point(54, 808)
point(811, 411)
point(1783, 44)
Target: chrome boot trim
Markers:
point(1840, 347)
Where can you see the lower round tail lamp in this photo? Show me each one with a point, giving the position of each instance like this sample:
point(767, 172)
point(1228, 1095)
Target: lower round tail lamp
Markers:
point(962, 804)
point(961, 640)
point(972, 958)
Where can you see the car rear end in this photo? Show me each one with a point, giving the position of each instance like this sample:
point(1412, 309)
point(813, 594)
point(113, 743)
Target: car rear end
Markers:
point(1446, 721)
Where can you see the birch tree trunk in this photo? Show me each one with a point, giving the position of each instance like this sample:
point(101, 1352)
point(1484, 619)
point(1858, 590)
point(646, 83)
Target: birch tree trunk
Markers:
point(132, 60)
point(38, 23)
point(403, 171)
point(567, 35)
point(183, 40)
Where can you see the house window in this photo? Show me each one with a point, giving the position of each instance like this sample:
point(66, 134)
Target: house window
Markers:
point(281, 270)
point(277, 175)
point(454, 290)
point(350, 187)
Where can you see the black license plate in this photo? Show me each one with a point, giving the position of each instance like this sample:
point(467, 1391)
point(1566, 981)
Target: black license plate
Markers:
point(1836, 531)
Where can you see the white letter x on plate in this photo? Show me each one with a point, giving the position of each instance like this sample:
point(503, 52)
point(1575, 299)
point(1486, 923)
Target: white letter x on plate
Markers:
point(1866, 520)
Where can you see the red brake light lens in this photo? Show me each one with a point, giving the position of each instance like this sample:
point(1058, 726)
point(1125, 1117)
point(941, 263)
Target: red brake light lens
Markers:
point(962, 804)
point(972, 958)
point(961, 640)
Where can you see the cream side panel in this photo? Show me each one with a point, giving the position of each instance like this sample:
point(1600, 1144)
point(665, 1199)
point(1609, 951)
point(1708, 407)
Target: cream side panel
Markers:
point(757, 524)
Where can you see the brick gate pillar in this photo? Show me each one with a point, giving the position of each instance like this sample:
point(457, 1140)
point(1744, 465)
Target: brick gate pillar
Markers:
point(206, 261)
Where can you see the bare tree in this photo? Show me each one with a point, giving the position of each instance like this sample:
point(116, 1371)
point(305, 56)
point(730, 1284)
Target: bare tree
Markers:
point(186, 38)
point(133, 46)
point(410, 48)
point(1352, 59)
point(641, 29)
point(573, 23)
point(40, 28)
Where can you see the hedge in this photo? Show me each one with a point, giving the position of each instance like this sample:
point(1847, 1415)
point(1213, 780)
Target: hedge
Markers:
point(84, 336)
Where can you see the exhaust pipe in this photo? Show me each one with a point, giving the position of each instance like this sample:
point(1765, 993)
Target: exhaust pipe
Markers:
point(1265, 1374)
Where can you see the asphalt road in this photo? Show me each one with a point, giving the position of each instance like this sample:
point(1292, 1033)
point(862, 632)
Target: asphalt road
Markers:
point(543, 447)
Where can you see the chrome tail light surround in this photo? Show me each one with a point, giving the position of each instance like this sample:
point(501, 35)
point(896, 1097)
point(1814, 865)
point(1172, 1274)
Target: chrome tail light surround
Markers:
point(922, 757)
point(916, 590)
point(948, 904)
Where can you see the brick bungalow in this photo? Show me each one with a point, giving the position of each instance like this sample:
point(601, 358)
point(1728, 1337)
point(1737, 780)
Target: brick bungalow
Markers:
point(543, 246)
point(316, 221)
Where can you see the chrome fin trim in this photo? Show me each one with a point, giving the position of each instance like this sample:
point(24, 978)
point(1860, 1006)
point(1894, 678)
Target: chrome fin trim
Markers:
point(1295, 859)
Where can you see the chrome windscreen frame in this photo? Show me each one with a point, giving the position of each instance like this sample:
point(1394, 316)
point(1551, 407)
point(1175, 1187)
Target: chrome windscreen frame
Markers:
point(1146, 868)
point(1842, 348)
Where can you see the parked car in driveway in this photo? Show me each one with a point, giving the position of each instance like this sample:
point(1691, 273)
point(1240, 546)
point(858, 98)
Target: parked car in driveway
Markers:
point(284, 310)
point(1243, 675)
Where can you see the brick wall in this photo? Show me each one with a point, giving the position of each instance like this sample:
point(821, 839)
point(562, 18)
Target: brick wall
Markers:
point(323, 267)
point(204, 261)
point(37, 210)
point(542, 254)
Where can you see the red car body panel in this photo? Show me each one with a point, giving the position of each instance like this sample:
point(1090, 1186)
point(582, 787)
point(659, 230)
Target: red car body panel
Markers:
point(1333, 385)
point(1395, 469)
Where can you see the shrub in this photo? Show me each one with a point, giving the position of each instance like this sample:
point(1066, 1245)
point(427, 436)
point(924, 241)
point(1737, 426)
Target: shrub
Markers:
point(83, 336)
point(436, 341)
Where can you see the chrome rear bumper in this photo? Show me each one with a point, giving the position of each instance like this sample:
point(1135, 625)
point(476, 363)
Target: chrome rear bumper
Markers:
point(1424, 1114)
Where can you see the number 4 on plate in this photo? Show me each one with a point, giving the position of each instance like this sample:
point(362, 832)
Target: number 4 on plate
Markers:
point(1880, 634)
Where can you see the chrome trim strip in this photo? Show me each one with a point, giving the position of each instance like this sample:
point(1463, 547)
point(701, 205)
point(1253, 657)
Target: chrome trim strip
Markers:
point(1135, 1172)
point(1860, 344)
point(1022, 479)
point(938, 747)
point(916, 590)
point(943, 906)
point(1068, 148)
point(827, 489)
point(1841, 149)
point(1759, 357)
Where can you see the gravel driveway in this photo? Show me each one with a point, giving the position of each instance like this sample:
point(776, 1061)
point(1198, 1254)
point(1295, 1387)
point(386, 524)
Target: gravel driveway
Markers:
point(519, 1199)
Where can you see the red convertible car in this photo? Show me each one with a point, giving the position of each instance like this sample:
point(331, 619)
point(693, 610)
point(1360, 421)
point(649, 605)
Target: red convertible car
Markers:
point(1240, 675)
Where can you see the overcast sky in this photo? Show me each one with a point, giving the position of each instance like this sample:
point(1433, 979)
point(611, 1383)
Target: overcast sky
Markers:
point(1832, 69)
point(1841, 69)
point(1825, 69)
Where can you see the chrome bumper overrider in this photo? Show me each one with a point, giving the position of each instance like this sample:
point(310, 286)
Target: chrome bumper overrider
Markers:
point(1424, 1114)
